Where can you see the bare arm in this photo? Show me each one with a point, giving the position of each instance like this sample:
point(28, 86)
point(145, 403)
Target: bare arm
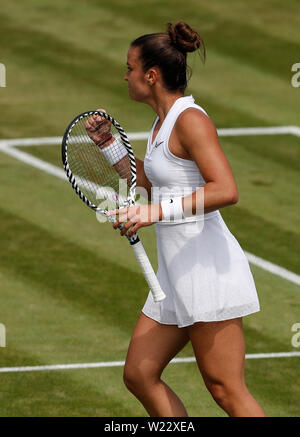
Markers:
point(123, 168)
point(195, 137)
point(142, 180)
point(101, 135)
point(198, 137)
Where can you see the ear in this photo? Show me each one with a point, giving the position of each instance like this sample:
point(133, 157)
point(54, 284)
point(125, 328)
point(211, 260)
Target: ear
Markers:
point(152, 75)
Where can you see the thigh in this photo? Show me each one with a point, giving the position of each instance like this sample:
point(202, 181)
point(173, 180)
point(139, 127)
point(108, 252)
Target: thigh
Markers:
point(153, 345)
point(219, 349)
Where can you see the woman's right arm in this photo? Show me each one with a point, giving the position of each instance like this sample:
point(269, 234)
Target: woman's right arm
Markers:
point(141, 179)
point(104, 139)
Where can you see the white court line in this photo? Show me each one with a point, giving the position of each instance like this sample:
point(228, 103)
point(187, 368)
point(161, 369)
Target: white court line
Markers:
point(223, 132)
point(60, 173)
point(34, 162)
point(54, 141)
point(276, 130)
point(7, 146)
point(121, 363)
point(273, 268)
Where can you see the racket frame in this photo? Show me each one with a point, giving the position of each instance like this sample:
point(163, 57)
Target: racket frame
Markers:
point(125, 141)
point(134, 241)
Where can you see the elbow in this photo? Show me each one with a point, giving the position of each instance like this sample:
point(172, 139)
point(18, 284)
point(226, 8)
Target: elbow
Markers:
point(230, 196)
point(233, 198)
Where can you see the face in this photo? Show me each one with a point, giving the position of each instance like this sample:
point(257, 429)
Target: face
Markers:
point(137, 84)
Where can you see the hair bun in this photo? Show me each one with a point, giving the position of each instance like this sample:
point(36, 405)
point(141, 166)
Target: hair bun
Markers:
point(184, 38)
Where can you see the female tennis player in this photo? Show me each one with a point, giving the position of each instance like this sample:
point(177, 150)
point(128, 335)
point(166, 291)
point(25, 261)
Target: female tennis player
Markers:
point(201, 266)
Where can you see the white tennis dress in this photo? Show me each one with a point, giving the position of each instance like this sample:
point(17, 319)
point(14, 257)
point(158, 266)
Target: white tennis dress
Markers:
point(201, 266)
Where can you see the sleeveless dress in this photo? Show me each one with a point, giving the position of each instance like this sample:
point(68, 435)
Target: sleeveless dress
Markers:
point(201, 266)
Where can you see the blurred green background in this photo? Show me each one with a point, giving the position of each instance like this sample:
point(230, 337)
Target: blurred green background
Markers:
point(70, 287)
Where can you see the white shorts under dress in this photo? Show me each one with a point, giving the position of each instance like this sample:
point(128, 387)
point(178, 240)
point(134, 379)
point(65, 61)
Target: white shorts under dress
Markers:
point(201, 267)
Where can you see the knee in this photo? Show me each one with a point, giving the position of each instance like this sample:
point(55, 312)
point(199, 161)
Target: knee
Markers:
point(136, 379)
point(130, 378)
point(219, 393)
point(226, 396)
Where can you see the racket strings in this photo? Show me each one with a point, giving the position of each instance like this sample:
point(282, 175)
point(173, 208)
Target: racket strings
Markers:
point(97, 172)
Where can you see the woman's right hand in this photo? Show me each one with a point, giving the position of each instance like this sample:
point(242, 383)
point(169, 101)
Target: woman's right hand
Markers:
point(98, 129)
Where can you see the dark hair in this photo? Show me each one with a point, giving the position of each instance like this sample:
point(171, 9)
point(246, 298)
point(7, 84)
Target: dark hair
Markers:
point(168, 51)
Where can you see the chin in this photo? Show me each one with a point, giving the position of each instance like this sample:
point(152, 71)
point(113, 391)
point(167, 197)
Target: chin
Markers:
point(131, 94)
point(138, 97)
point(133, 97)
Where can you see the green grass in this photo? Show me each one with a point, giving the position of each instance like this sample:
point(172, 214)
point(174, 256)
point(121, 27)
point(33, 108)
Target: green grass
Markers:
point(71, 290)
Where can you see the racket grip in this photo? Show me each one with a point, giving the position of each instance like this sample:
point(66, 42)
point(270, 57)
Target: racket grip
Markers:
point(149, 274)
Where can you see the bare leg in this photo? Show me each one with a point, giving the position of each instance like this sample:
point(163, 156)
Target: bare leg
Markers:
point(152, 347)
point(220, 352)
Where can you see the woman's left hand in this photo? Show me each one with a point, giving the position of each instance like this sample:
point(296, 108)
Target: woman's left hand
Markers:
point(135, 217)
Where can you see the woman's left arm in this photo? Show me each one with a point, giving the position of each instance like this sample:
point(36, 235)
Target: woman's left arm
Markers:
point(198, 137)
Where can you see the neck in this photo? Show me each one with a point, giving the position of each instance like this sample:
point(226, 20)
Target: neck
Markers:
point(162, 103)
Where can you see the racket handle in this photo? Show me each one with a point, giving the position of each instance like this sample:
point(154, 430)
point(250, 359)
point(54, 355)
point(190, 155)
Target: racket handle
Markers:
point(147, 269)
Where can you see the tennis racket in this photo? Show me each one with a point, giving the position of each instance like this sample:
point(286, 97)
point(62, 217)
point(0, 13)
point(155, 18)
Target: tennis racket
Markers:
point(95, 159)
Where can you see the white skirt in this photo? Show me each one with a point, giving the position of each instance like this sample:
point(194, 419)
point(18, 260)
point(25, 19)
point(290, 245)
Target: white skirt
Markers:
point(203, 272)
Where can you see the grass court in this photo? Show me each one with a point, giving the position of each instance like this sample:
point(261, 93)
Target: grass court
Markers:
point(71, 290)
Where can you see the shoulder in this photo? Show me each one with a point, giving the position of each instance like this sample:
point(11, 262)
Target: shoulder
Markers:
point(193, 124)
point(193, 115)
